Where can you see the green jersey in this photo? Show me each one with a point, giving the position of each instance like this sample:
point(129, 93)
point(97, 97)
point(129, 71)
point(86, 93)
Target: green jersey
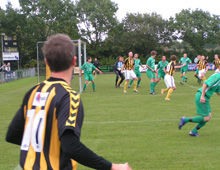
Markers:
point(151, 63)
point(88, 68)
point(185, 60)
point(137, 63)
point(161, 65)
point(213, 85)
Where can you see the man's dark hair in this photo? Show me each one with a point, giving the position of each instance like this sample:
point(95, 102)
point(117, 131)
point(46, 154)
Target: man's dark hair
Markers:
point(59, 51)
point(173, 57)
point(89, 58)
point(153, 53)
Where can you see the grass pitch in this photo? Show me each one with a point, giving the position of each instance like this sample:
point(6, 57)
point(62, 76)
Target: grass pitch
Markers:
point(135, 127)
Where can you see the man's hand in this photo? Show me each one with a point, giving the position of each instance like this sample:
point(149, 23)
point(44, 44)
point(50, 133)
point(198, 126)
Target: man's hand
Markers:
point(80, 75)
point(202, 99)
point(121, 167)
point(100, 72)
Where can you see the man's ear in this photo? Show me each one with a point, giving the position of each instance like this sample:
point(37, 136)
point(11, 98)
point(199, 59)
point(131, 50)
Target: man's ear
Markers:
point(74, 60)
point(45, 60)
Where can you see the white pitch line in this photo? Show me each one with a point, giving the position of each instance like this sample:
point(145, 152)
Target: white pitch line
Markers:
point(193, 87)
point(137, 121)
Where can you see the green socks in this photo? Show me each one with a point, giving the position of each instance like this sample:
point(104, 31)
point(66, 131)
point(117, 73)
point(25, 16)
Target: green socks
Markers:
point(84, 87)
point(198, 119)
point(198, 126)
point(152, 86)
point(93, 86)
point(183, 78)
point(131, 82)
point(138, 82)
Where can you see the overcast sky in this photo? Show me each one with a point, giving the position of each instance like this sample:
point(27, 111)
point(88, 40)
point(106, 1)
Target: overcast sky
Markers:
point(166, 8)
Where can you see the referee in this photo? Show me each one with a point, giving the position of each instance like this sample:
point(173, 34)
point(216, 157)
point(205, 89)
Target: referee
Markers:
point(129, 72)
point(48, 123)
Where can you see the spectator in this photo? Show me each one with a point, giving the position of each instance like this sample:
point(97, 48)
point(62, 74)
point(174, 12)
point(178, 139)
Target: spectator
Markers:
point(8, 67)
point(3, 68)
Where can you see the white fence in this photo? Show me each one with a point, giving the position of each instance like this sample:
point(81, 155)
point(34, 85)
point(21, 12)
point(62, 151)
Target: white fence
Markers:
point(14, 75)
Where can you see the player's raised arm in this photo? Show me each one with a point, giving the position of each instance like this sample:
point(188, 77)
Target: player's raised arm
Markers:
point(180, 66)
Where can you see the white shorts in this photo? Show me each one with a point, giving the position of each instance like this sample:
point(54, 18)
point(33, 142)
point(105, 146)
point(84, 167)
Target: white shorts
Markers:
point(129, 74)
point(217, 70)
point(169, 81)
point(201, 72)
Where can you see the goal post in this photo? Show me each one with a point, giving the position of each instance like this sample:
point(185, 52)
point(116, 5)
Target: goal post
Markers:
point(43, 71)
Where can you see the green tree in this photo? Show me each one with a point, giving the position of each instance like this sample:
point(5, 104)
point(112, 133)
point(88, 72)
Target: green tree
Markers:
point(143, 33)
point(195, 27)
point(96, 19)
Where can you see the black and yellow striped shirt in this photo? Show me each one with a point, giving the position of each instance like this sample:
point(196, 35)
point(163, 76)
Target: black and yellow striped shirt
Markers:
point(129, 63)
point(216, 63)
point(170, 68)
point(202, 64)
point(47, 111)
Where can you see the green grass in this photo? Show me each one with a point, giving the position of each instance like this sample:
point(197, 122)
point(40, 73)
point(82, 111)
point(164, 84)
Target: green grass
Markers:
point(135, 127)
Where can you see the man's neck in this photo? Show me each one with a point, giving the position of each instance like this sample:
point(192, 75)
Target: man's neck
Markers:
point(65, 75)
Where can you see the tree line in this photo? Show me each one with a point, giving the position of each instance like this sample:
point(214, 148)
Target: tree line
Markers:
point(95, 22)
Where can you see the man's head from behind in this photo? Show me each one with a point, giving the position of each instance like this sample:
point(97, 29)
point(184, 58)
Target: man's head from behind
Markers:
point(59, 52)
point(173, 58)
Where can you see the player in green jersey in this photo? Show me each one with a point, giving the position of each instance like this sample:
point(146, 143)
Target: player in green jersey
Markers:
point(203, 109)
point(160, 69)
point(151, 71)
point(137, 64)
point(88, 68)
point(184, 69)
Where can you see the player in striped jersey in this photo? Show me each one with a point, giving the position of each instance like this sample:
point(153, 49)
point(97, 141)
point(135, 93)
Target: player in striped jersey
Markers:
point(216, 64)
point(169, 77)
point(196, 60)
point(202, 67)
point(129, 72)
point(203, 109)
point(137, 64)
point(48, 124)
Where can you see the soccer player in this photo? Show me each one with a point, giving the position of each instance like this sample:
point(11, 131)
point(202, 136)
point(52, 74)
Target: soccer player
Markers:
point(203, 109)
point(129, 72)
point(160, 69)
point(48, 124)
point(184, 69)
point(169, 77)
point(151, 71)
point(96, 64)
point(201, 64)
point(196, 60)
point(88, 67)
point(137, 64)
point(117, 67)
point(216, 64)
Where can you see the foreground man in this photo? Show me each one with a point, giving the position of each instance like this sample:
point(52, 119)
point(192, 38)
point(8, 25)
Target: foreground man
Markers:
point(48, 124)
